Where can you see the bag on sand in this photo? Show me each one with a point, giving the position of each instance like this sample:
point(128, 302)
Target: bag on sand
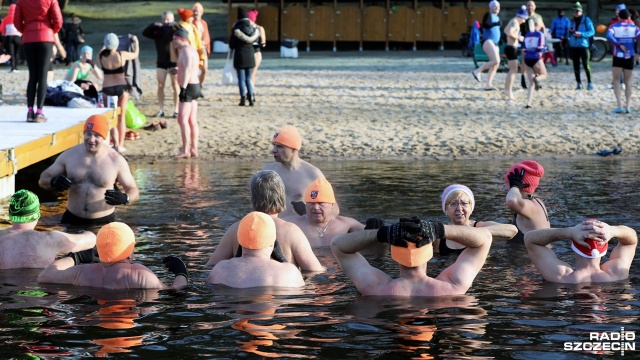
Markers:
point(229, 75)
point(133, 118)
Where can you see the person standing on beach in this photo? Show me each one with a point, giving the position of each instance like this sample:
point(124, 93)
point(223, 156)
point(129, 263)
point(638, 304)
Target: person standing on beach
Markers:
point(296, 173)
point(623, 36)
point(268, 196)
point(590, 242)
point(529, 213)
point(579, 33)
point(243, 34)
point(512, 32)
point(162, 35)
point(189, 93)
point(320, 223)
point(73, 37)
point(257, 45)
point(534, 44)
point(411, 243)
point(256, 268)
point(531, 11)
point(109, 265)
point(38, 21)
point(21, 246)
point(205, 40)
point(490, 38)
point(560, 30)
point(90, 171)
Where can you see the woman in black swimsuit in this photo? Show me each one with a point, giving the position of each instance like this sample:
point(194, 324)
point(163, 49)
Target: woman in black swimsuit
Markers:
point(529, 212)
point(458, 204)
point(115, 84)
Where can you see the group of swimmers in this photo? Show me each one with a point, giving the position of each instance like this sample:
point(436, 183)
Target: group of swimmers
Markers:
point(249, 255)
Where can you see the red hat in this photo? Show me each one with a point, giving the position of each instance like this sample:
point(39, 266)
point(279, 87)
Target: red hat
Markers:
point(184, 14)
point(252, 15)
point(596, 248)
point(532, 175)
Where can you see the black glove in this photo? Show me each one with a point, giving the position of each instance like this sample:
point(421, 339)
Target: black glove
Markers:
point(116, 197)
point(277, 254)
point(90, 62)
point(393, 235)
point(89, 256)
point(183, 94)
point(60, 182)
point(373, 223)
point(421, 232)
point(175, 265)
point(516, 177)
point(299, 207)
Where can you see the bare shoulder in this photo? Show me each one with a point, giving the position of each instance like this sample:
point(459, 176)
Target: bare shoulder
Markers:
point(271, 166)
point(311, 169)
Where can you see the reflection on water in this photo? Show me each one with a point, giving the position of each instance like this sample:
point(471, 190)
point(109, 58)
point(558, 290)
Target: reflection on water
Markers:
point(185, 207)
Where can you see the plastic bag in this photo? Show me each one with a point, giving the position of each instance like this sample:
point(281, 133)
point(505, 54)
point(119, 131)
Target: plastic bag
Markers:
point(229, 75)
point(133, 118)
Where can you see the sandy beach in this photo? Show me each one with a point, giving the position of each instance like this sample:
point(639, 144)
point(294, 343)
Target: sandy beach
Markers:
point(372, 105)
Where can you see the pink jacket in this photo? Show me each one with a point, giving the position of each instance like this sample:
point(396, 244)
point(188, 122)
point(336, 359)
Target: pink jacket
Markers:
point(38, 20)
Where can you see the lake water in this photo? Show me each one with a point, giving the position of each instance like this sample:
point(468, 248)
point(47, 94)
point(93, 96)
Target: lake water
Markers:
point(186, 206)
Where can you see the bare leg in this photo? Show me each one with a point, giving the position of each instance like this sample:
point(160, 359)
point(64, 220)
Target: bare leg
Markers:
point(540, 71)
point(184, 110)
point(122, 125)
point(203, 71)
point(494, 55)
point(175, 87)
point(511, 76)
point(627, 82)
point(258, 57)
point(161, 76)
point(195, 130)
point(530, 74)
point(617, 74)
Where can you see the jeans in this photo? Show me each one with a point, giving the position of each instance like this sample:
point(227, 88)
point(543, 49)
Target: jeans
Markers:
point(244, 78)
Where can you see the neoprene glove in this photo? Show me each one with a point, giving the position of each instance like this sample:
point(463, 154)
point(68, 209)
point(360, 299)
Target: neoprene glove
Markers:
point(392, 235)
point(183, 94)
point(116, 197)
point(277, 253)
point(421, 232)
point(175, 265)
point(90, 62)
point(516, 177)
point(299, 207)
point(60, 182)
point(89, 256)
point(373, 223)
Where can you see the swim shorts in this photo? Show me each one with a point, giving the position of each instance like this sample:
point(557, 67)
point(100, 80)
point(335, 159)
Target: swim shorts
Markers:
point(531, 62)
point(71, 219)
point(192, 92)
point(511, 52)
point(116, 90)
point(626, 64)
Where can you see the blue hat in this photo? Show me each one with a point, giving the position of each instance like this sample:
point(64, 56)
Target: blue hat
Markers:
point(522, 13)
point(87, 48)
point(621, 7)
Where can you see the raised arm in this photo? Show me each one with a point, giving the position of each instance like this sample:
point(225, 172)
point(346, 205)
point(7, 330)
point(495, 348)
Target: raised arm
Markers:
point(622, 255)
point(345, 248)
point(66, 242)
point(499, 232)
point(224, 250)
point(132, 55)
point(545, 260)
point(470, 261)
point(247, 39)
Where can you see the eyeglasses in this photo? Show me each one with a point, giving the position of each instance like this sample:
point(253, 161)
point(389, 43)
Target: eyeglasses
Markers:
point(455, 204)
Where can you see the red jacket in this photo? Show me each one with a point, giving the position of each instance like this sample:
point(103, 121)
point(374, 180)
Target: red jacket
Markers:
point(38, 20)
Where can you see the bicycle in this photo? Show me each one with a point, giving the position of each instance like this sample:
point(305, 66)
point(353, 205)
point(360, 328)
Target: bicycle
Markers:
point(599, 48)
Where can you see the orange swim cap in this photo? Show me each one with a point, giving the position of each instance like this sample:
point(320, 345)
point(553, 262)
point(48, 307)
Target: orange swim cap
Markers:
point(115, 242)
point(412, 256)
point(257, 231)
point(99, 124)
point(288, 136)
point(184, 14)
point(320, 191)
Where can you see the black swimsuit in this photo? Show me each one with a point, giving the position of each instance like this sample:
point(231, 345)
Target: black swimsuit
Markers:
point(444, 250)
point(520, 235)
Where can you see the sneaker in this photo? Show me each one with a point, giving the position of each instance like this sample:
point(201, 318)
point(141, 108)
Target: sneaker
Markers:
point(628, 110)
point(579, 87)
point(175, 114)
point(537, 85)
point(160, 113)
point(589, 86)
point(31, 116)
point(40, 118)
point(14, 71)
point(618, 110)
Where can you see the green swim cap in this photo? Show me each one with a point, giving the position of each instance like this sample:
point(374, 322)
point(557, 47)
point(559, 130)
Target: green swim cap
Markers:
point(24, 207)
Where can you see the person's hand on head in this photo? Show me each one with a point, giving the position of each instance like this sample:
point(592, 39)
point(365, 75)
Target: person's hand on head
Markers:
point(88, 256)
point(116, 197)
point(373, 223)
point(299, 207)
point(60, 182)
point(176, 266)
point(392, 235)
point(422, 232)
point(516, 178)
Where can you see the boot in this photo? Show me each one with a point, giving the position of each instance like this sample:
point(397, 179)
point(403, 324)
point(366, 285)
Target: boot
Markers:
point(242, 99)
point(252, 99)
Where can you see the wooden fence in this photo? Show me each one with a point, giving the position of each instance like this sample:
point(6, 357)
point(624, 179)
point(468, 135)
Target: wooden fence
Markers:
point(355, 22)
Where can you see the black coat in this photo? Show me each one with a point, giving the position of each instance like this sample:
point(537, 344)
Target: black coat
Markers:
point(242, 37)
